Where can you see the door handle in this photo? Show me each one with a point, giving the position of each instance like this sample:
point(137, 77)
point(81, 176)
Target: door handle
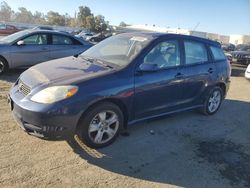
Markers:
point(179, 75)
point(210, 70)
point(44, 49)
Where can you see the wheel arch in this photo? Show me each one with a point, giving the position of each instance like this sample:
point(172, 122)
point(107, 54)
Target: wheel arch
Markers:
point(223, 87)
point(6, 61)
point(115, 101)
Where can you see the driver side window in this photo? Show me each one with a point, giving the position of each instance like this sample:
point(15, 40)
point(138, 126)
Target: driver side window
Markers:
point(164, 54)
point(38, 39)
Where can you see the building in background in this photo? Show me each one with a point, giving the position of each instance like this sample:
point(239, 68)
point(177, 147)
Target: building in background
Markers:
point(234, 39)
point(240, 39)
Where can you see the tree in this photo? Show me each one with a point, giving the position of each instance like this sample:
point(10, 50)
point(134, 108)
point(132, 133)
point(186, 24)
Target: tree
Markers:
point(54, 18)
point(5, 12)
point(90, 23)
point(24, 16)
point(39, 18)
point(100, 24)
point(83, 13)
point(123, 24)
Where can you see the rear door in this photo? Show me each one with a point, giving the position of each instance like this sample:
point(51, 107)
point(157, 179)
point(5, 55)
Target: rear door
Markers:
point(63, 46)
point(199, 71)
point(34, 50)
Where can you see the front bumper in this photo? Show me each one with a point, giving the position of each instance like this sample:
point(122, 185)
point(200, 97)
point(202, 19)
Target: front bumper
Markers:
point(48, 121)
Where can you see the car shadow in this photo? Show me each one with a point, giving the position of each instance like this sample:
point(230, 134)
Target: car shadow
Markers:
point(168, 150)
point(11, 75)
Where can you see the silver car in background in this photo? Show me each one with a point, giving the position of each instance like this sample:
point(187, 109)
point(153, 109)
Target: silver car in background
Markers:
point(29, 47)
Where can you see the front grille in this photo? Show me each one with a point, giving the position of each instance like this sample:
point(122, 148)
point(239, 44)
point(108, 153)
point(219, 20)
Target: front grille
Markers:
point(23, 88)
point(238, 56)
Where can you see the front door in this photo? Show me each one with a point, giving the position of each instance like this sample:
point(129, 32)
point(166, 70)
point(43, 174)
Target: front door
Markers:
point(159, 91)
point(35, 49)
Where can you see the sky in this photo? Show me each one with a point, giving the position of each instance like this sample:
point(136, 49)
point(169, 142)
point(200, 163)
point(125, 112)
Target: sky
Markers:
point(216, 16)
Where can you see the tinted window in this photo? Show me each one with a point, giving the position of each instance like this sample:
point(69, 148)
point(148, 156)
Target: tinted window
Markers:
point(61, 40)
point(39, 39)
point(165, 54)
point(217, 53)
point(195, 52)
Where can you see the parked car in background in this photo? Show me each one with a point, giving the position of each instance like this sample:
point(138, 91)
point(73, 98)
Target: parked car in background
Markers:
point(43, 28)
point(84, 35)
point(228, 47)
point(122, 80)
point(6, 29)
point(229, 57)
point(98, 37)
point(29, 47)
point(247, 73)
point(242, 55)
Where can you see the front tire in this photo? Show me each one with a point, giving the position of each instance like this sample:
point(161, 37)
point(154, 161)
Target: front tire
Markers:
point(3, 65)
point(213, 101)
point(101, 125)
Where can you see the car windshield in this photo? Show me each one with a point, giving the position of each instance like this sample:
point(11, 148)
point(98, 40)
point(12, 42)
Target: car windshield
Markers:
point(119, 50)
point(13, 37)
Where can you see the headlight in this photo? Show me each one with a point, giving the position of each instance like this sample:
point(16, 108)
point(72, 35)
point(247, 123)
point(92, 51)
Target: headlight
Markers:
point(54, 94)
point(247, 56)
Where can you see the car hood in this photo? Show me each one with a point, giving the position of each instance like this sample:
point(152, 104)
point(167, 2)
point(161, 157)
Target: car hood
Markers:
point(69, 70)
point(240, 53)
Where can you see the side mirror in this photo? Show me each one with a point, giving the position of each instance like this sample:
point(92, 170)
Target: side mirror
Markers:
point(147, 67)
point(20, 43)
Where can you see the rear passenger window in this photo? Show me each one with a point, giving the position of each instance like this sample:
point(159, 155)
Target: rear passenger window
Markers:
point(195, 52)
point(218, 53)
point(61, 40)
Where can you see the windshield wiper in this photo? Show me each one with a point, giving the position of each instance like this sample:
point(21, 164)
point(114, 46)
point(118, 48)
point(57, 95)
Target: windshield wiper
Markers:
point(104, 63)
point(90, 59)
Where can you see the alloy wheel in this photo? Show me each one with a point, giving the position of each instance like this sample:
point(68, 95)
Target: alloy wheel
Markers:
point(103, 127)
point(2, 67)
point(214, 101)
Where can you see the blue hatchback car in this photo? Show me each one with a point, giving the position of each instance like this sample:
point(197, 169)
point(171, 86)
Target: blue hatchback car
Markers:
point(122, 80)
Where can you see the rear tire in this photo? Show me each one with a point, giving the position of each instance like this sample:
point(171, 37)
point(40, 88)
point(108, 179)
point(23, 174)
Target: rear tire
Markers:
point(3, 65)
point(213, 101)
point(101, 125)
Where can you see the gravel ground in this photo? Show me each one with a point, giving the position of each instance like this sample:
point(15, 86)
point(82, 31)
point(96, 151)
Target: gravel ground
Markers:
point(181, 150)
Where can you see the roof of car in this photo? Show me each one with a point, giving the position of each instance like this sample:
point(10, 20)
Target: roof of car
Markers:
point(47, 31)
point(160, 35)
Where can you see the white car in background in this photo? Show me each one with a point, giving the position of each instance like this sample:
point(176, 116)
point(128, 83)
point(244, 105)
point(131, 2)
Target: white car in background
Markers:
point(247, 73)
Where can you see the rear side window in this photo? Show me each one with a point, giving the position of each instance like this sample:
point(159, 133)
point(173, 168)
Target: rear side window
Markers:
point(61, 40)
point(195, 52)
point(218, 53)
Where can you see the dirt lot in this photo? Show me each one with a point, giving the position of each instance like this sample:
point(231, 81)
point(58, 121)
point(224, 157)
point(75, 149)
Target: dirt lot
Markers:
point(186, 150)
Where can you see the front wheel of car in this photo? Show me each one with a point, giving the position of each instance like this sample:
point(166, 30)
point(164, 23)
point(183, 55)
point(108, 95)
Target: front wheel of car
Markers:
point(101, 125)
point(213, 101)
point(3, 65)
